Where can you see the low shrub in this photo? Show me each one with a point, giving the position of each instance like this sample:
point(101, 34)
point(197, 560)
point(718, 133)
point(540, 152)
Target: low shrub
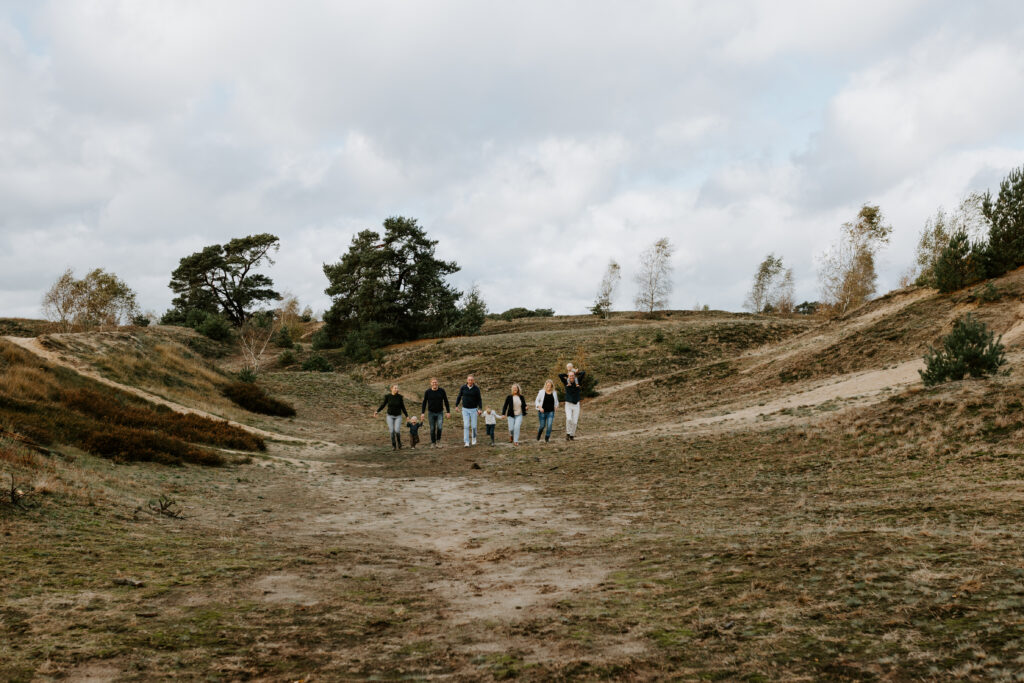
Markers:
point(283, 338)
point(184, 426)
point(970, 349)
point(215, 327)
point(126, 444)
point(317, 363)
point(286, 358)
point(247, 375)
point(256, 400)
point(140, 321)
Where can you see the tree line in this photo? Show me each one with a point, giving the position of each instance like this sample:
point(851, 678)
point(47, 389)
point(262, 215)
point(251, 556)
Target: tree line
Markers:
point(390, 287)
point(982, 238)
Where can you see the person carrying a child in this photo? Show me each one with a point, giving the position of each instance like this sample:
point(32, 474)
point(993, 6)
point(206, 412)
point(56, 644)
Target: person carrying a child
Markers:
point(490, 421)
point(414, 431)
point(572, 379)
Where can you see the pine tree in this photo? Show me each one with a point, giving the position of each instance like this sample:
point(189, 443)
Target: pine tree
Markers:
point(1006, 232)
point(959, 264)
point(389, 288)
point(970, 349)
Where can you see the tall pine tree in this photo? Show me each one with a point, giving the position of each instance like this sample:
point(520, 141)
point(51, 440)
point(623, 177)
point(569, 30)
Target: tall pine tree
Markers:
point(390, 288)
point(1006, 232)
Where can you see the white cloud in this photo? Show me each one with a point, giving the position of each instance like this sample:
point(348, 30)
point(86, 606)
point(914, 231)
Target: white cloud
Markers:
point(534, 140)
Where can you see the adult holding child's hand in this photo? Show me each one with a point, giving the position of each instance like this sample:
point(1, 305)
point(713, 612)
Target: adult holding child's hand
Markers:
point(546, 405)
point(396, 409)
point(435, 406)
point(472, 405)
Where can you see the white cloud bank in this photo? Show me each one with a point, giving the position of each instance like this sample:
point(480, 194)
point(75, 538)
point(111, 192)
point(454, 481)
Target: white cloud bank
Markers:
point(534, 140)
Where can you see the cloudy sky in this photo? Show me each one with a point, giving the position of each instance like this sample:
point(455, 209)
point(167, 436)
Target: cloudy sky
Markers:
point(534, 140)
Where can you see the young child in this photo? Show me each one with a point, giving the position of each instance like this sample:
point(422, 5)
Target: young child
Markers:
point(490, 419)
point(414, 431)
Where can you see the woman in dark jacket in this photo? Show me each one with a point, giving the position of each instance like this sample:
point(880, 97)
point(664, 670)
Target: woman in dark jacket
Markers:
point(515, 410)
point(396, 409)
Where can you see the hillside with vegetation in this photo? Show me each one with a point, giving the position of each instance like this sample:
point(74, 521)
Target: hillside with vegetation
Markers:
point(750, 496)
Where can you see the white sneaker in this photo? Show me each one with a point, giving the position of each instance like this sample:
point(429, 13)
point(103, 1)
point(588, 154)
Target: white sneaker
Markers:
point(465, 445)
point(474, 442)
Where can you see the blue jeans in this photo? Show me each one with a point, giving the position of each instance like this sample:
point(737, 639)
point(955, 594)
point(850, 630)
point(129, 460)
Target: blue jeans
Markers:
point(514, 425)
point(469, 416)
point(394, 423)
point(436, 421)
point(547, 419)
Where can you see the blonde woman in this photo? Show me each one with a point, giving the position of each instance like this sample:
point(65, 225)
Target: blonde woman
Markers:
point(546, 405)
point(396, 409)
point(515, 410)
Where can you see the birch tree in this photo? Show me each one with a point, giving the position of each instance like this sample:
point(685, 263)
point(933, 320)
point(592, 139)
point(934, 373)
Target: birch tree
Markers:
point(606, 290)
point(654, 279)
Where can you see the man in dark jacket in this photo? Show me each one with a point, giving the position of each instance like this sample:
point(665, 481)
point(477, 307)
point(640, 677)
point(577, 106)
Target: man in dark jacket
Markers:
point(435, 405)
point(472, 403)
point(573, 381)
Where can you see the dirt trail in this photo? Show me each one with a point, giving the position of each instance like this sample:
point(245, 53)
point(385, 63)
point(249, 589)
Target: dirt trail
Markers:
point(33, 345)
point(507, 553)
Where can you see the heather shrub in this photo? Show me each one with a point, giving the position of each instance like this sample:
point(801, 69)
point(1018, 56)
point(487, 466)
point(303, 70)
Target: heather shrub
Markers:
point(256, 400)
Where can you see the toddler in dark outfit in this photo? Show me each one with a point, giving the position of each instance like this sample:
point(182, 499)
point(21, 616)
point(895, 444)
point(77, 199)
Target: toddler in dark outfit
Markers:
point(414, 431)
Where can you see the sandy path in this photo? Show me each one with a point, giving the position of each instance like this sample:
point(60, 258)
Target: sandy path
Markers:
point(507, 553)
point(33, 345)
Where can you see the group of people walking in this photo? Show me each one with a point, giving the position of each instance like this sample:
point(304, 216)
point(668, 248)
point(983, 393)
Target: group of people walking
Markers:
point(435, 407)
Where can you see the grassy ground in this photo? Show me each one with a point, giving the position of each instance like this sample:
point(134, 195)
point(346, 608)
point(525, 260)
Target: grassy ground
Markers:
point(879, 542)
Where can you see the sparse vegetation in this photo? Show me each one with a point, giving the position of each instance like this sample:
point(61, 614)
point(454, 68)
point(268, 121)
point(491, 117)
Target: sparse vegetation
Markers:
point(712, 521)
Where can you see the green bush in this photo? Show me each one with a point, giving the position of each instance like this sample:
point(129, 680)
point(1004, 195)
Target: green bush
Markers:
point(215, 327)
point(283, 338)
point(140, 321)
point(970, 349)
point(317, 363)
point(286, 358)
point(256, 400)
point(247, 375)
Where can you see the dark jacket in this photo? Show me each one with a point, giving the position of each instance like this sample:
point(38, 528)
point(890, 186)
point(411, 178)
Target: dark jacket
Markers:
point(395, 404)
point(574, 393)
point(507, 409)
point(470, 397)
point(433, 401)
